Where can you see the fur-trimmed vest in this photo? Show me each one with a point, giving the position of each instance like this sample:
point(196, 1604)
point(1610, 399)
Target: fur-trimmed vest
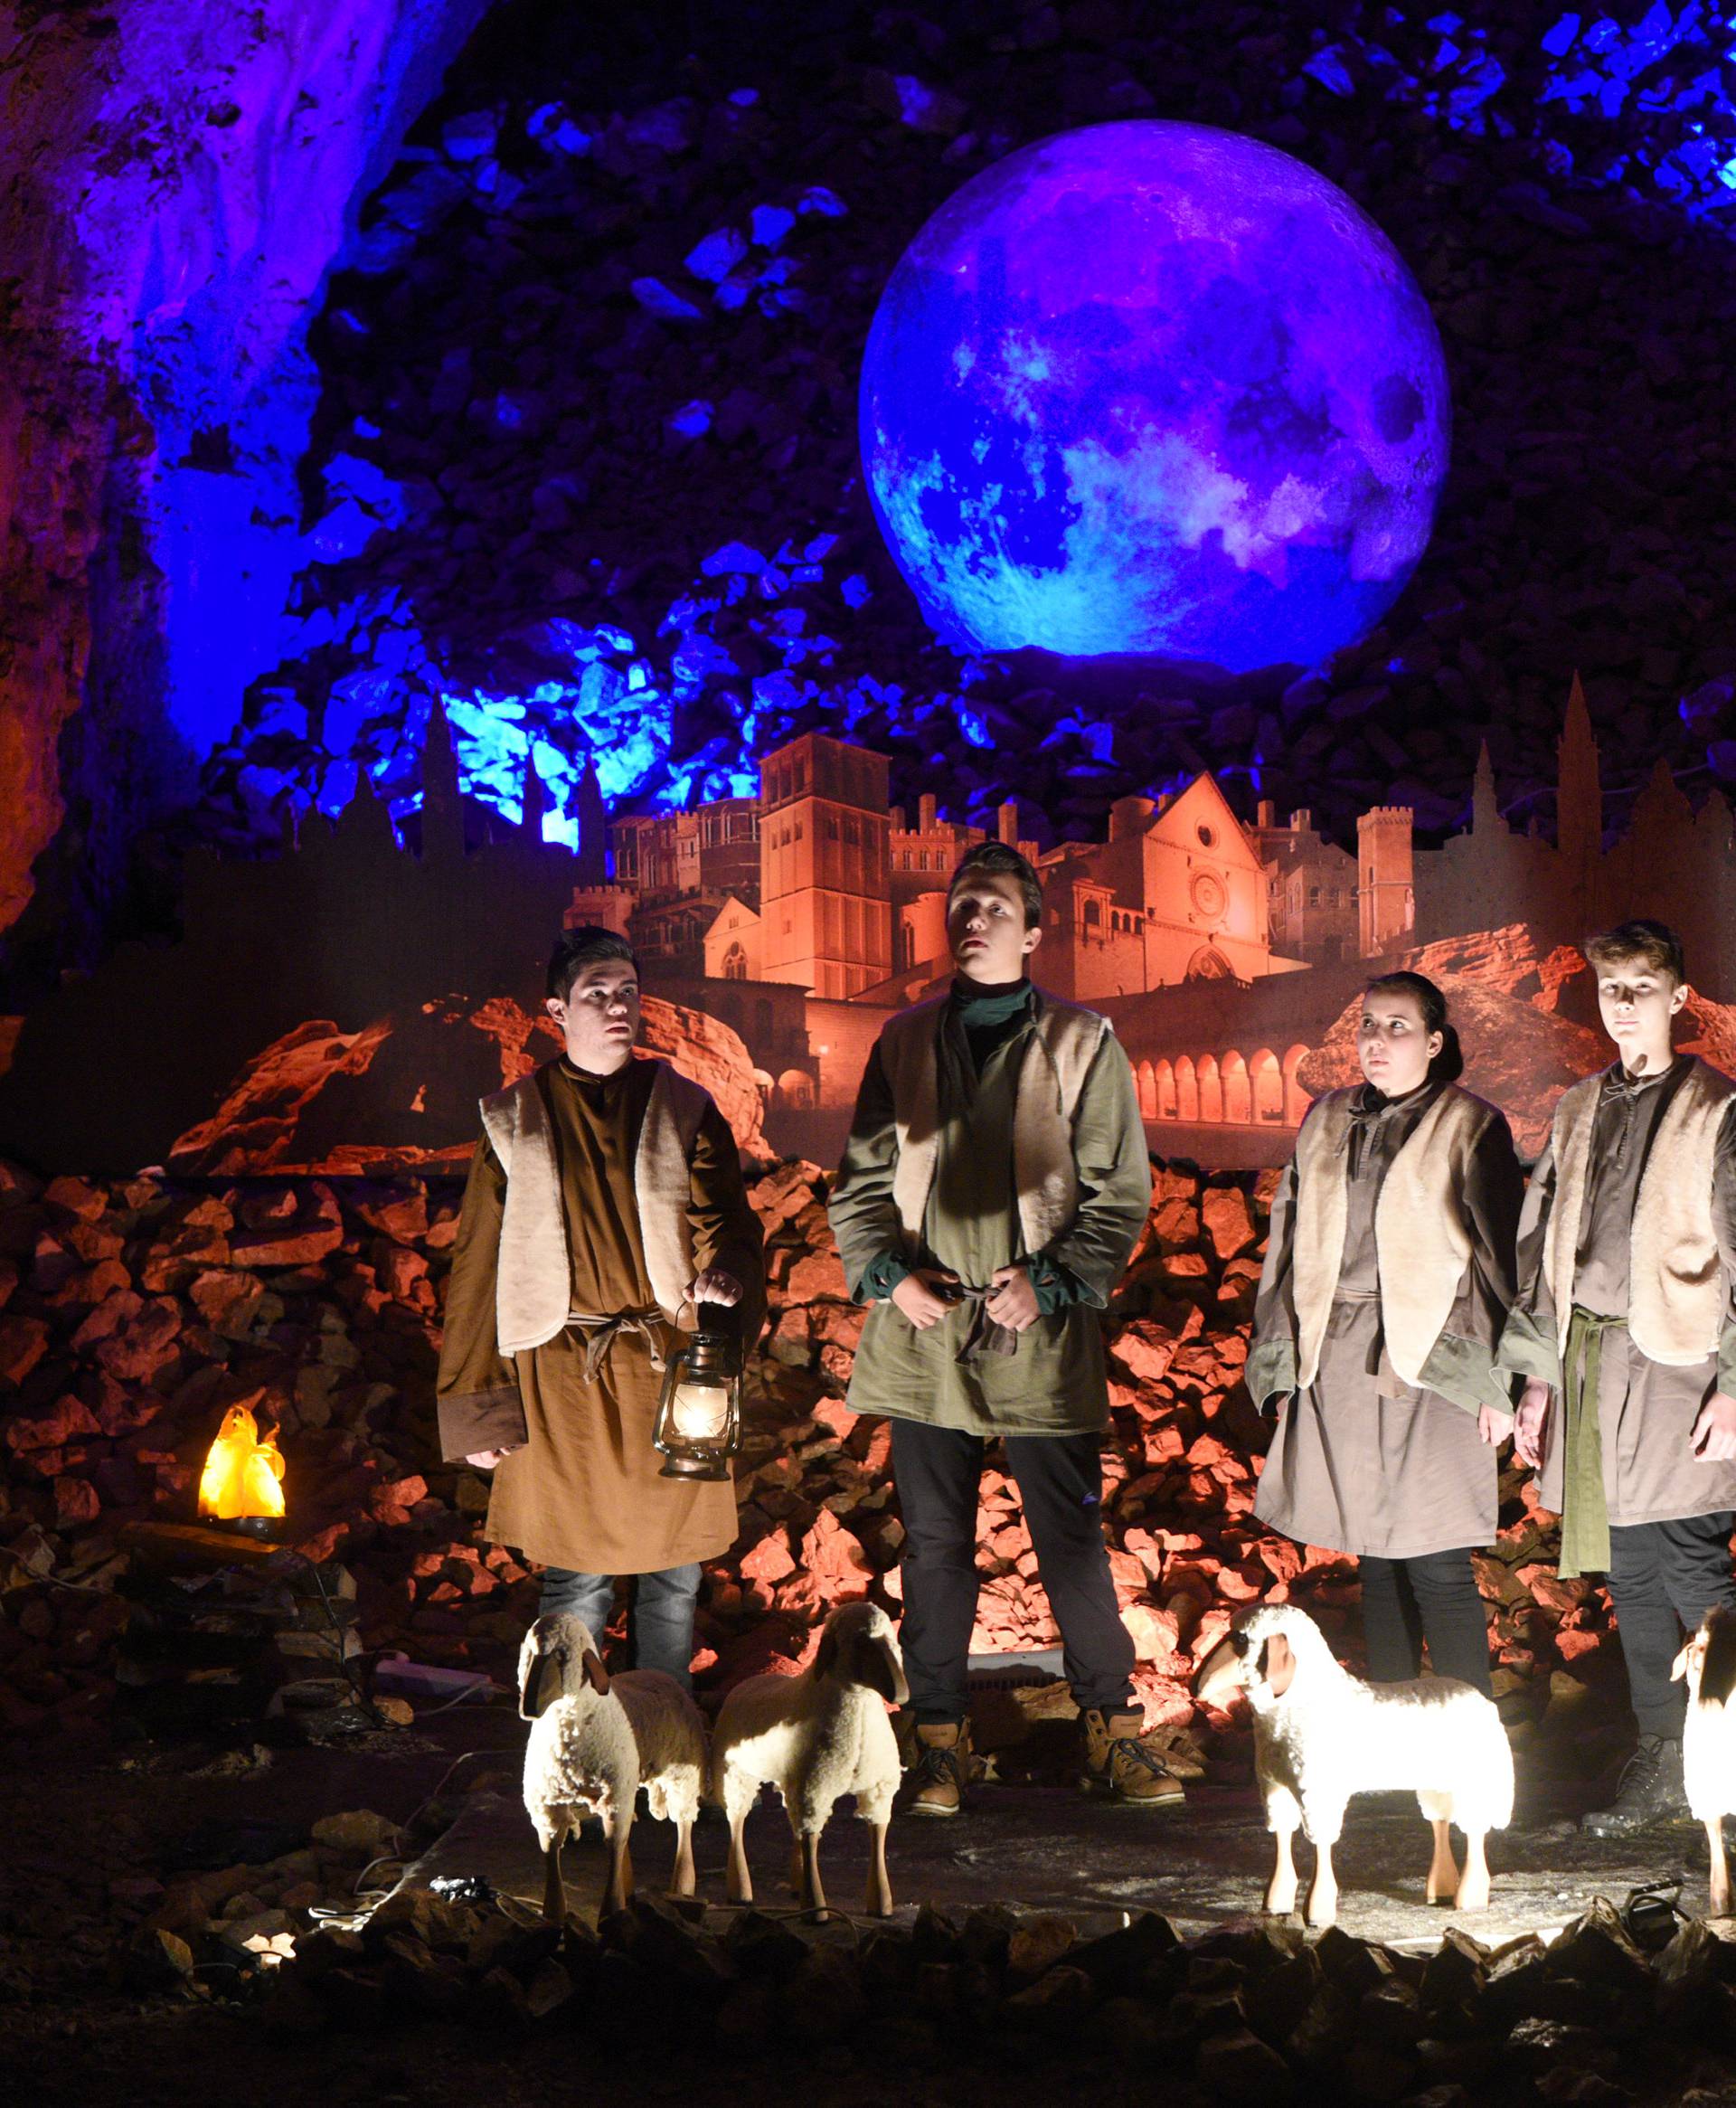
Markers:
point(1675, 1283)
point(1421, 1239)
point(533, 1288)
point(1063, 1046)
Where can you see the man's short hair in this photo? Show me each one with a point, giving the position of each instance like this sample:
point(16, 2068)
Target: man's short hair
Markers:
point(1000, 860)
point(588, 945)
point(1655, 943)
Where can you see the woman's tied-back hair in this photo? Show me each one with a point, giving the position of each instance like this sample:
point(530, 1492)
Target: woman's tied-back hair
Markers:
point(1449, 1064)
point(1001, 860)
point(1655, 943)
point(588, 945)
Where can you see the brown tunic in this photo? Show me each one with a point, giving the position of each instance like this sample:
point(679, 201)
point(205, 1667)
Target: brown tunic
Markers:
point(1645, 1409)
point(1362, 1461)
point(584, 1492)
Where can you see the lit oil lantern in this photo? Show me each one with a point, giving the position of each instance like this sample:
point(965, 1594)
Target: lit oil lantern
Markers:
point(699, 1415)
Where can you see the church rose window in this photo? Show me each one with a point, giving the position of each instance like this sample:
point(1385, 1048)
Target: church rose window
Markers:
point(1207, 892)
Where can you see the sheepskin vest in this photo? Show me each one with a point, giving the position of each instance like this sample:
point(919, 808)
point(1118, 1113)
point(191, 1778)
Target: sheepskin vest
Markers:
point(1676, 1282)
point(1421, 1241)
point(534, 1287)
point(1063, 1046)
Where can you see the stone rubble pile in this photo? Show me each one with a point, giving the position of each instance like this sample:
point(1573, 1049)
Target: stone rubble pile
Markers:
point(134, 1313)
point(1253, 2016)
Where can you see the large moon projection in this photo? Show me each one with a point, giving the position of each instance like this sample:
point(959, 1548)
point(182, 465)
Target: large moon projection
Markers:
point(1159, 390)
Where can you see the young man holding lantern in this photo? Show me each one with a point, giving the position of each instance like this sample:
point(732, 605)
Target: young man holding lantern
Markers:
point(993, 1187)
point(604, 1204)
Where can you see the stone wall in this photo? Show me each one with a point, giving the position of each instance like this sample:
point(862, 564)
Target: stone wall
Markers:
point(132, 1314)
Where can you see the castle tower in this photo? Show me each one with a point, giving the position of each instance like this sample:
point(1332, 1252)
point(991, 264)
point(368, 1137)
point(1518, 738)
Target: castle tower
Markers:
point(533, 804)
point(825, 867)
point(1386, 898)
point(593, 826)
point(1486, 813)
point(1579, 793)
point(442, 802)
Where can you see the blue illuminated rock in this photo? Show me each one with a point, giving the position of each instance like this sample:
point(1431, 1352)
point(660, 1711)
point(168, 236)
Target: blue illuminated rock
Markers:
point(1154, 389)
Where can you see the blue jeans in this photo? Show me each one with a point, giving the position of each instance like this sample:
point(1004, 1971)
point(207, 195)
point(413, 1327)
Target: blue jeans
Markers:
point(659, 1616)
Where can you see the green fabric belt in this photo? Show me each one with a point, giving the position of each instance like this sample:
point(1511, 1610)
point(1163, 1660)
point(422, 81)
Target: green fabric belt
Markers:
point(1585, 1508)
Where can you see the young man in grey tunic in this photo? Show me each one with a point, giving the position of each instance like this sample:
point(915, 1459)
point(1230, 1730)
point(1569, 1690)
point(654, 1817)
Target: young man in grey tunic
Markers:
point(1388, 1273)
point(1625, 1330)
point(993, 1187)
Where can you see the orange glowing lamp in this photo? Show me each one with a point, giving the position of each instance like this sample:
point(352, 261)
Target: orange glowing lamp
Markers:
point(243, 1475)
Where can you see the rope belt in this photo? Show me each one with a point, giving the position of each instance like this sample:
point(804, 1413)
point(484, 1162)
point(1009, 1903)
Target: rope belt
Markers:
point(1585, 1507)
point(601, 1329)
point(984, 1335)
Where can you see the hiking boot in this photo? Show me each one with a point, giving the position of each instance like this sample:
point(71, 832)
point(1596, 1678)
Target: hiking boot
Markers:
point(1650, 1790)
point(1118, 1760)
point(935, 1783)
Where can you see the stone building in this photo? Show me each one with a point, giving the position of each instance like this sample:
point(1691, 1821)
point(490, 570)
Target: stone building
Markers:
point(1178, 892)
point(1310, 888)
point(1672, 862)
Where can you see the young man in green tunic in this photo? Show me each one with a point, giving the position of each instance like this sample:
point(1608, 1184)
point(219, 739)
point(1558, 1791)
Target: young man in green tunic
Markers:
point(993, 1187)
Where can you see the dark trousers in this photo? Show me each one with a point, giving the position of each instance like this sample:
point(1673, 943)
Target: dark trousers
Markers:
point(1663, 1577)
point(1434, 1598)
point(936, 1472)
point(659, 1613)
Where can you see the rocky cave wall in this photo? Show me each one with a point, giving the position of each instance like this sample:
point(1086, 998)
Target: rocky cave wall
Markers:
point(175, 182)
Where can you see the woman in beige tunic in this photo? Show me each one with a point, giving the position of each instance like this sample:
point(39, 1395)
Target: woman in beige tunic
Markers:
point(566, 1425)
point(1387, 1277)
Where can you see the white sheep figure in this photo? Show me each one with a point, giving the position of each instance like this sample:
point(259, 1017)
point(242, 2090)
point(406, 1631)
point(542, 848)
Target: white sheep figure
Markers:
point(1708, 1661)
point(595, 1739)
point(1320, 1735)
point(815, 1736)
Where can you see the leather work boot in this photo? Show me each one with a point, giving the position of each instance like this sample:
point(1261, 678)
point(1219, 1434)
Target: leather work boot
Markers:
point(935, 1783)
point(1650, 1791)
point(1120, 1760)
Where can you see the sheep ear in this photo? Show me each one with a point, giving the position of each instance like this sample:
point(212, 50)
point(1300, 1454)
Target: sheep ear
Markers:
point(1279, 1665)
point(877, 1669)
point(596, 1675)
point(1679, 1666)
point(1220, 1674)
point(530, 1703)
point(825, 1656)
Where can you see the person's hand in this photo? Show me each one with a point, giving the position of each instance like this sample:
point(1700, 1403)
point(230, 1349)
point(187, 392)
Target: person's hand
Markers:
point(1531, 1424)
point(1714, 1439)
point(915, 1296)
point(486, 1459)
point(1015, 1302)
point(1493, 1425)
point(715, 1286)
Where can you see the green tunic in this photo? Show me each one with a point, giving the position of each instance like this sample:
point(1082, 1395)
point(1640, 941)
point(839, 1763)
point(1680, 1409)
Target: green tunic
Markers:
point(1053, 1383)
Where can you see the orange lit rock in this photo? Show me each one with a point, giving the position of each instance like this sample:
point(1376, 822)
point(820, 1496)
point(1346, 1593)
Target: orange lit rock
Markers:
point(1229, 1220)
